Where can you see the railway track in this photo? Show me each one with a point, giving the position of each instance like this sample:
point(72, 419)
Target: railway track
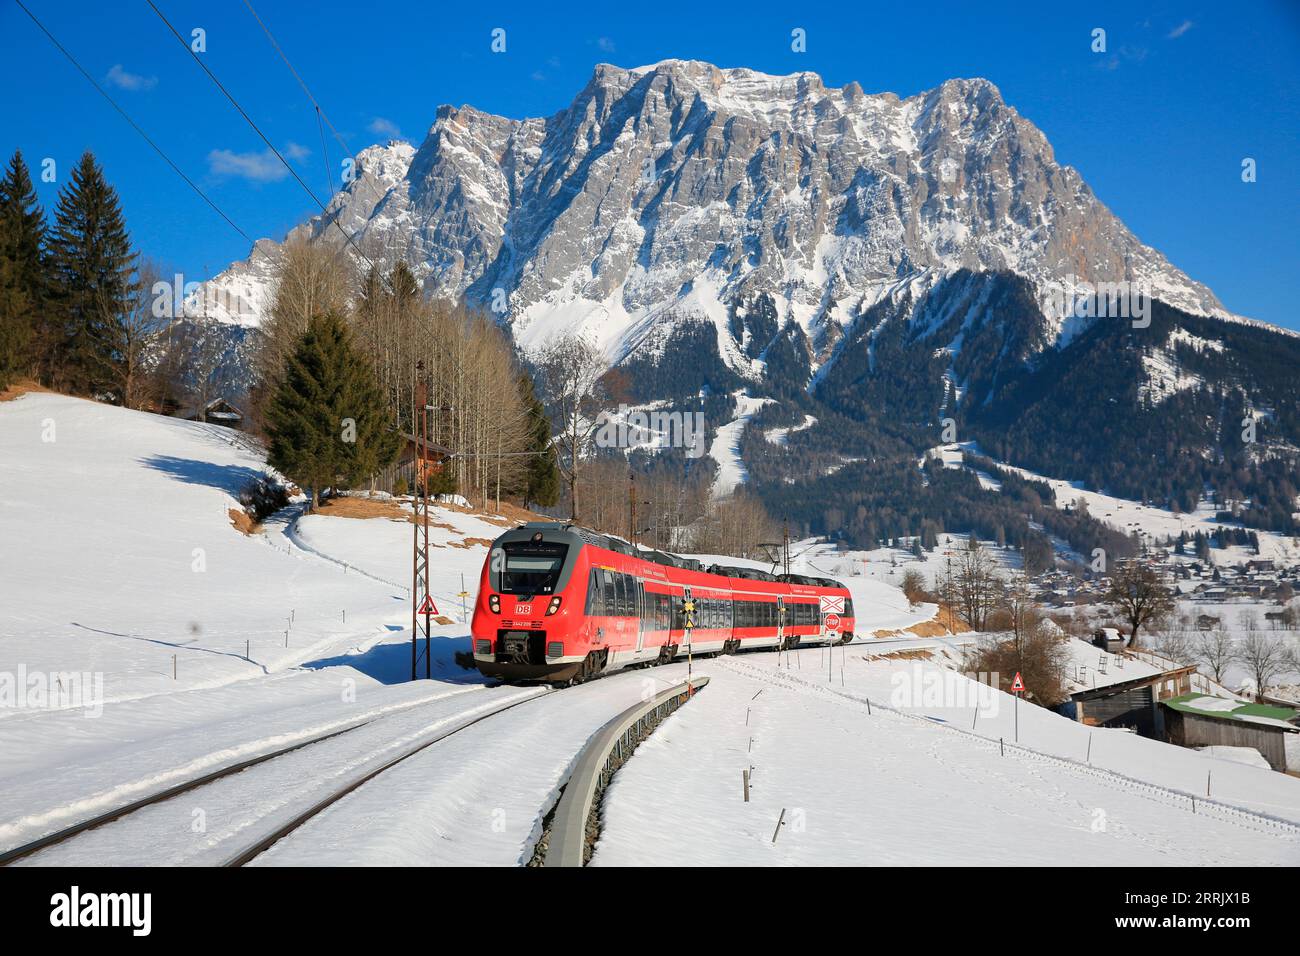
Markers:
point(358, 769)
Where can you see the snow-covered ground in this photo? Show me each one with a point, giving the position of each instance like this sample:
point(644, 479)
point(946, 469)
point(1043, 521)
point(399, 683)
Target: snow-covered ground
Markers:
point(725, 449)
point(120, 553)
point(881, 788)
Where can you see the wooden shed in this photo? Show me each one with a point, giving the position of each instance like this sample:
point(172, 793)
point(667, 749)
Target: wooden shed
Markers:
point(1198, 720)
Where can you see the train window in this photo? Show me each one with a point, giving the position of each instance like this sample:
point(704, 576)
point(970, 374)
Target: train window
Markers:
point(611, 600)
point(532, 568)
point(594, 594)
point(848, 607)
point(620, 595)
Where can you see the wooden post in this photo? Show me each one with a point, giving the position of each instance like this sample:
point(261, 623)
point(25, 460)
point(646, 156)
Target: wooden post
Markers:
point(248, 656)
point(1002, 747)
point(173, 667)
point(1088, 759)
point(745, 775)
point(779, 824)
point(1207, 782)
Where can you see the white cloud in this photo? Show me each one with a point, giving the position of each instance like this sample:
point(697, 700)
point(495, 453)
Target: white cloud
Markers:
point(125, 80)
point(260, 167)
point(1179, 30)
point(385, 127)
point(295, 151)
point(606, 44)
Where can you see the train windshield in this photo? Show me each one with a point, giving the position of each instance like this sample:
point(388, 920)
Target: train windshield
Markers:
point(533, 567)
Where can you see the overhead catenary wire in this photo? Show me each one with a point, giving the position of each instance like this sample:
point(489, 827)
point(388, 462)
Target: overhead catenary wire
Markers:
point(321, 118)
point(257, 129)
point(320, 112)
point(134, 125)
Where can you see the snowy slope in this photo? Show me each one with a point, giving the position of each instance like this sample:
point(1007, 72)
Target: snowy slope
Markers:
point(916, 787)
point(1151, 523)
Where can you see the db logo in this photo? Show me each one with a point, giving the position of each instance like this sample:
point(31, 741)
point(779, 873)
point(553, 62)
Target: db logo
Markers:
point(832, 622)
point(523, 609)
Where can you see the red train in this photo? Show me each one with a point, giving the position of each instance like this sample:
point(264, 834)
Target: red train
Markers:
point(560, 603)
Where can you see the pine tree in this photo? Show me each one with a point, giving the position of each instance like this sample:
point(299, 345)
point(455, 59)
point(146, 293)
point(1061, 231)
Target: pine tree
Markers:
point(328, 424)
point(23, 278)
point(93, 268)
point(542, 476)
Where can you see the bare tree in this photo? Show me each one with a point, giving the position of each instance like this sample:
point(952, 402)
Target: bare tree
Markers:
point(1266, 657)
point(1023, 614)
point(1139, 594)
point(1218, 651)
point(735, 526)
point(311, 278)
point(914, 586)
point(1172, 640)
point(978, 588)
point(571, 368)
point(129, 334)
point(1040, 658)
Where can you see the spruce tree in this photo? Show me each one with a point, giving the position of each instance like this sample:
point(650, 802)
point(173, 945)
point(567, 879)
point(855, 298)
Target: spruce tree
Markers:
point(93, 270)
point(23, 279)
point(328, 423)
point(542, 475)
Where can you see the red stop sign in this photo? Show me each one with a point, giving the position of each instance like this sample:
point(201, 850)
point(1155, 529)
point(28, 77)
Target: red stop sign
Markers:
point(832, 622)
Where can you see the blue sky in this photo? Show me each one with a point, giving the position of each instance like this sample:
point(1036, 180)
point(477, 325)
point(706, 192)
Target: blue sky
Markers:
point(1158, 125)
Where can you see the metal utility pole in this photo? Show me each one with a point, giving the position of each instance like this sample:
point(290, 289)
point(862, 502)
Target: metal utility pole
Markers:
point(420, 505)
point(785, 546)
point(631, 498)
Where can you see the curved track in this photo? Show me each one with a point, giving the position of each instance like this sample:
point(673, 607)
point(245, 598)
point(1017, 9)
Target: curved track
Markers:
point(255, 803)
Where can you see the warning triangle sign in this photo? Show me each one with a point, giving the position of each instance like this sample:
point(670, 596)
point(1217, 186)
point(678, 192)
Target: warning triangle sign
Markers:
point(428, 607)
point(1017, 685)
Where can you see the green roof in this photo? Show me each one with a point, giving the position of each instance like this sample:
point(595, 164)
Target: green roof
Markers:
point(1187, 703)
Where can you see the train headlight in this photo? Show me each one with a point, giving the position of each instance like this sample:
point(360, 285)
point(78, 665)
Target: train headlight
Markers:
point(555, 649)
point(553, 606)
point(494, 603)
point(482, 647)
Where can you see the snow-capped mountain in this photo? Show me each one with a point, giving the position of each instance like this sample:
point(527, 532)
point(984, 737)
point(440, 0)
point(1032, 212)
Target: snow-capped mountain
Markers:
point(686, 189)
point(771, 248)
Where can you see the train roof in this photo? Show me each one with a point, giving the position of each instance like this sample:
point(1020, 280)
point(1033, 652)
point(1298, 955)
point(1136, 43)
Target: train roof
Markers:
point(619, 545)
point(614, 543)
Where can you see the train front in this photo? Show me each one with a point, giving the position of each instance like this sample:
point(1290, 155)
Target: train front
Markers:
point(528, 619)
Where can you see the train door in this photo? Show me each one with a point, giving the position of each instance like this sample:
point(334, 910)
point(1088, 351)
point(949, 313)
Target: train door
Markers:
point(640, 615)
point(780, 621)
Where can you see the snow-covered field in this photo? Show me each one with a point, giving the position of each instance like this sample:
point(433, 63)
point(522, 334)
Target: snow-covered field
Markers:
point(893, 789)
point(121, 561)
